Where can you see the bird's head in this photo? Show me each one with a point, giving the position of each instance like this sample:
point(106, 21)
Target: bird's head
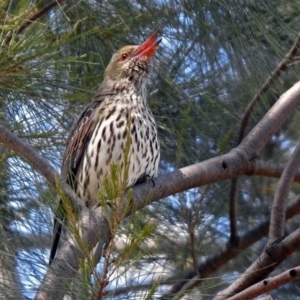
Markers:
point(133, 62)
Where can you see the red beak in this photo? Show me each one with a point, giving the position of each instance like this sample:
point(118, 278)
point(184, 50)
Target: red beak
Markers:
point(148, 47)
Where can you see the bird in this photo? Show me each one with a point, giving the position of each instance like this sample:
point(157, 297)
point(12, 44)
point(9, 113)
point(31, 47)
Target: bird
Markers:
point(97, 139)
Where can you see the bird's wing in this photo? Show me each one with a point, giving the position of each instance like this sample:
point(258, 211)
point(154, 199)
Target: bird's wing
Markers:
point(76, 145)
point(77, 141)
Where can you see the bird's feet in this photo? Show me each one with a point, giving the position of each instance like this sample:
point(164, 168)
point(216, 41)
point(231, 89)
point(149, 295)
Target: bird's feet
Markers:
point(145, 179)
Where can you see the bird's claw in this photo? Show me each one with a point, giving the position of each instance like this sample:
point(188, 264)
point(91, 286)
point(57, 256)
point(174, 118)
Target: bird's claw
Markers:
point(145, 179)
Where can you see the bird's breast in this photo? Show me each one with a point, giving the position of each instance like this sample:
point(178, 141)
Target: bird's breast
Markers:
point(124, 137)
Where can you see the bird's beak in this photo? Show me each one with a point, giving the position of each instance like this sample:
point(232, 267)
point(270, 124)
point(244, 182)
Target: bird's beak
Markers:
point(148, 47)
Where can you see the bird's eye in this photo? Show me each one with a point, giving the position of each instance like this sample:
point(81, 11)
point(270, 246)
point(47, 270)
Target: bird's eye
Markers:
point(124, 56)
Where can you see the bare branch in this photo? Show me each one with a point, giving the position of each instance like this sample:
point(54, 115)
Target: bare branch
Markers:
point(268, 284)
point(273, 255)
point(241, 160)
point(270, 169)
point(12, 142)
point(281, 194)
point(187, 286)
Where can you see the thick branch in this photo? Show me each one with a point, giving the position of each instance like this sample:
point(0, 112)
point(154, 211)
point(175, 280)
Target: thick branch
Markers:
point(241, 160)
point(270, 169)
point(17, 145)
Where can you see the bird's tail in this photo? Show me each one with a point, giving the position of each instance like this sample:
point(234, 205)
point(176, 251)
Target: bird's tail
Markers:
point(57, 227)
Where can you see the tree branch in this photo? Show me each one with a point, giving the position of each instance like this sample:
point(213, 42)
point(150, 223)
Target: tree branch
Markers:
point(262, 266)
point(33, 17)
point(268, 284)
point(273, 255)
point(240, 160)
point(17, 145)
point(279, 204)
point(270, 169)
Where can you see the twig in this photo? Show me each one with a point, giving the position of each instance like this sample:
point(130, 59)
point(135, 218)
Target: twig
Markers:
point(268, 284)
point(38, 14)
point(33, 17)
point(187, 286)
point(280, 199)
point(191, 230)
point(233, 239)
